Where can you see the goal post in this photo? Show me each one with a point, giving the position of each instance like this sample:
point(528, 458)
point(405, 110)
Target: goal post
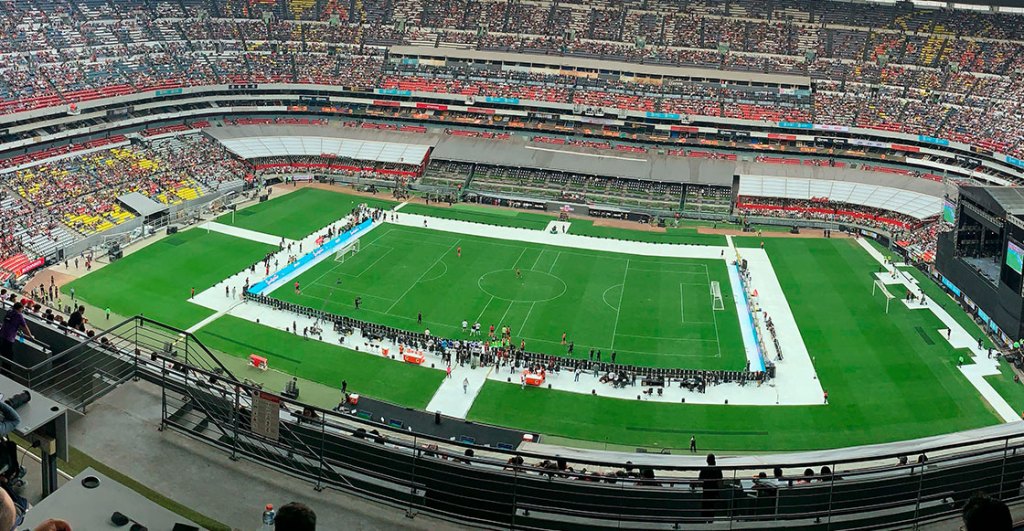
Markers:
point(347, 251)
point(879, 286)
point(716, 296)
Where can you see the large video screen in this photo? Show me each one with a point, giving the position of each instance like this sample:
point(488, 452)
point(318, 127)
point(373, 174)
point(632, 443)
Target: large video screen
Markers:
point(1014, 257)
point(949, 212)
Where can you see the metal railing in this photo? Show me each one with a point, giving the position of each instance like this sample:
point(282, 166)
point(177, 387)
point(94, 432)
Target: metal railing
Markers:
point(523, 490)
point(90, 366)
point(491, 487)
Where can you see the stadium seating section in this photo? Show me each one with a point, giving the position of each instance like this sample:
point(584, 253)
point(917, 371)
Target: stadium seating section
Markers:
point(81, 191)
point(936, 72)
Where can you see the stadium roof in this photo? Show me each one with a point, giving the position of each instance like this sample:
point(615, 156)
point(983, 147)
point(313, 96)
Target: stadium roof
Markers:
point(642, 166)
point(278, 146)
point(1009, 199)
point(519, 153)
point(599, 64)
point(141, 204)
point(907, 202)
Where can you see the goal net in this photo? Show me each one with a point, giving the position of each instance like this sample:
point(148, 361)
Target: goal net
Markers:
point(716, 296)
point(879, 286)
point(346, 251)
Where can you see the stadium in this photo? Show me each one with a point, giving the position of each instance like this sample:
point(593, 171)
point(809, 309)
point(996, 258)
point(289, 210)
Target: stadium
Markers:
point(511, 264)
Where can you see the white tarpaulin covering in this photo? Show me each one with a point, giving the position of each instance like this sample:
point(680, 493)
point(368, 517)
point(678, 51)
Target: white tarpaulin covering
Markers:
point(281, 146)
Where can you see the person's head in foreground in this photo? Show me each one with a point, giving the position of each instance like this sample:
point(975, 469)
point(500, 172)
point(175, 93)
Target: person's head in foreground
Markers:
point(295, 517)
point(10, 517)
point(982, 513)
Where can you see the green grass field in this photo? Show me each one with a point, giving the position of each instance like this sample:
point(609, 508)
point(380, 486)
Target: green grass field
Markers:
point(483, 214)
point(156, 280)
point(889, 377)
point(650, 311)
point(320, 362)
point(281, 215)
point(680, 235)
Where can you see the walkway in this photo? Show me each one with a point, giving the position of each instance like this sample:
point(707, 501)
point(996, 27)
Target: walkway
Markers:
point(247, 234)
point(795, 377)
point(561, 240)
point(956, 335)
point(451, 399)
point(121, 432)
point(750, 347)
point(557, 227)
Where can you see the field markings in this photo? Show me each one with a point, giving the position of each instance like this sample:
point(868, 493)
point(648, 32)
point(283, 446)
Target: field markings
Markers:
point(439, 258)
point(555, 261)
point(534, 304)
point(682, 305)
point(580, 347)
point(342, 290)
point(523, 327)
point(330, 270)
point(431, 279)
point(604, 255)
point(537, 261)
point(484, 310)
point(369, 267)
point(519, 258)
point(604, 297)
point(618, 312)
point(687, 271)
point(501, 322)
point(662, 338)
point(718, 338)
point(489, 301)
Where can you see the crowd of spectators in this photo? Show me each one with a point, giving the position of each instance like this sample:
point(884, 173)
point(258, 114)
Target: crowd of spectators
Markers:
point(81, 191)
point(823, 209)
point(920, 242)
point(942, 81)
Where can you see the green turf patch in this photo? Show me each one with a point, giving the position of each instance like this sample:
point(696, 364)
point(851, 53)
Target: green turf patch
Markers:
point(480, 209)
point(884, 382)
point(299, 213)
point(687, 236)
point(485, 215)
point(1011, 391)
point(651, 311)
point(327, 364)
point(156, 280)
point(947, 303)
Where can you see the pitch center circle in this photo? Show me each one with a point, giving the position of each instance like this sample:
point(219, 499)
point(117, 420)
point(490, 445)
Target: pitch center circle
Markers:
point(534, 286)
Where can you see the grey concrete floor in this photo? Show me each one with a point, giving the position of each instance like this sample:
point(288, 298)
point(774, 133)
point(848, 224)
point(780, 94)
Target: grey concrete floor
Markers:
point(120, 430)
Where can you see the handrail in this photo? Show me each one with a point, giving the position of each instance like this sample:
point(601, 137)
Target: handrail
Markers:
point(409, 469)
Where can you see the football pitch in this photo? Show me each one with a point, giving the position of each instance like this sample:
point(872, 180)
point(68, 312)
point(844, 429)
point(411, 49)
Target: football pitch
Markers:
point(650, 311)
point(889, 377)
